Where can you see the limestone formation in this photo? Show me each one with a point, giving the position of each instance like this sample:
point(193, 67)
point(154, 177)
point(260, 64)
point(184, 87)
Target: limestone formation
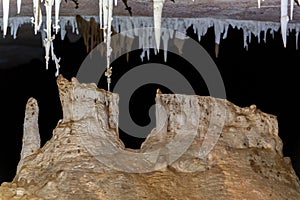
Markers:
point(31, 135)
point(201, 148)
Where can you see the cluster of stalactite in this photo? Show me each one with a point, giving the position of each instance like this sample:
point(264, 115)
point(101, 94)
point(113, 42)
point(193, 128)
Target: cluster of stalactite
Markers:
point(90, 31)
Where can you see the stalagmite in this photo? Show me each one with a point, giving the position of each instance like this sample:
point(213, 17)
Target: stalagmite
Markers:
point(31, 135)
point(5, 4)
point(19, 2)
point(86, 159)
point(284, 20)
point(157, 14)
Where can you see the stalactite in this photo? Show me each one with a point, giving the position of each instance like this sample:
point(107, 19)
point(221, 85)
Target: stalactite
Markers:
point(108, 72)
point(165, 38)
point(5, 4)
point(101, 13)
point(259, 3)
point(19, 2)
point(297, 39)
point(179, 41)
point(37, 15)
point(57, 6)
point(105, 18)
point(93, 38)
point(218, 29)
point(157, 14)
point(291, 8)
point(284, 20)
point(217, 48)
point(199, 25)
point(48, 41)
point(90, 31)
point(129, 42)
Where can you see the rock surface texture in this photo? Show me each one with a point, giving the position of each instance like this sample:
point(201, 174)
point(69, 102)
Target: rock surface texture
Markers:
point(201, 148)
point(229, 9)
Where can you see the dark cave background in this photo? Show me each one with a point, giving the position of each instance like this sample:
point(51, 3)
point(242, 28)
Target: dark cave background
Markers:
point(264, 75)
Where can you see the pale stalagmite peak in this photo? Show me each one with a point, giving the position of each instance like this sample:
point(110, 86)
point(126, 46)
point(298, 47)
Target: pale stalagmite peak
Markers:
point(106, 20)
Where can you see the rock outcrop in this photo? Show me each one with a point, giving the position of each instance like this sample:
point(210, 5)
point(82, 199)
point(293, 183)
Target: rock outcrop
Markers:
point(201, 148)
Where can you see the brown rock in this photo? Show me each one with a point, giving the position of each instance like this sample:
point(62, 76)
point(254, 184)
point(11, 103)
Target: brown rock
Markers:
point(201, 148)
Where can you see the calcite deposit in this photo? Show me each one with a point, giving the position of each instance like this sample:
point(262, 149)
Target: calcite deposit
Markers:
point(201, 148)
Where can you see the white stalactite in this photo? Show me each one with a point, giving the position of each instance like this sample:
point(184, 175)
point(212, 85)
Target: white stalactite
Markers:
point(105, 20)
point(284, 20)
point(291, 8)
point(251, 29)
point(259, 3)
point(165, 38)
point(5, 4)
point(55, 59)
point(101, 13)
point(108, 46)
point(157, 14)
point(19, 2)
point(37, 15)
point(250, 37)
point(57, 6)
point(48, 41)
